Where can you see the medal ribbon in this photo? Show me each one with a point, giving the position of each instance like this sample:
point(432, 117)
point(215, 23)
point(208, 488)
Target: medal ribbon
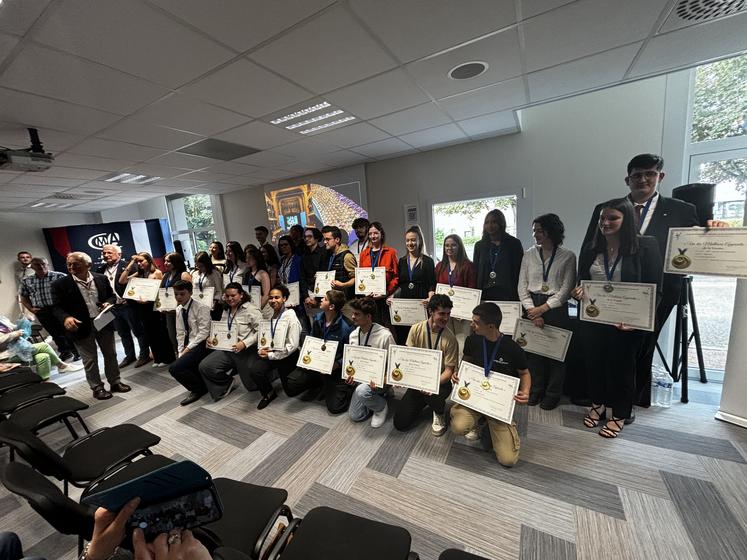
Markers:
point(231, 318)
point(375, 256)
point(644, 211)
point(367, 336)
point(485, 362)
point(326, 329)
point(410, 267)
point(546, 272)
point(169, 281)
point(200, 279)
point(430, 341)
point(451, 280)
point(494, 256)
point(274, 326)
point(232, 273)
point(610, 273)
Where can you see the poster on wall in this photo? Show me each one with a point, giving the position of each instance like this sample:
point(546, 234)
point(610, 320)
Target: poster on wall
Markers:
point(152, 236)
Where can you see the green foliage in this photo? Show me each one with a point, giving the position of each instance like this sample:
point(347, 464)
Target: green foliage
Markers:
point(440, 236)
point(198, 210)
point(728, 170)
point(471, 208)
point(720, 100)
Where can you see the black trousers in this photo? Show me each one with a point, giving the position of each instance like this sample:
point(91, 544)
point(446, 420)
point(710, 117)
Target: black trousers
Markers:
point(186, 369)
point(548, 375)
point(156, 334)
point(414, 401)
point(56, 330)
point(260, 372)
point(337, 393)
point(610, 365)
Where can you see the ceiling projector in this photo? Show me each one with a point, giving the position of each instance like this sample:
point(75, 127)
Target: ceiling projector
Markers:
point(33, 158)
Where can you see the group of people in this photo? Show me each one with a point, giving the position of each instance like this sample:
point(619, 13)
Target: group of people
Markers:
point(246, 286)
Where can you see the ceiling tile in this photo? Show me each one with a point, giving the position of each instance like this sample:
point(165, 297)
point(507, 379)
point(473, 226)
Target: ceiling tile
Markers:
point(178, 183)
point(531, 8)
point(242, 24)
point(380, 95)
point(354, 135)
point(417, 28)
point(690, 46)
point(500, 52)
point(586, 27)
point(41, 112)
point(16, 16)
point(145, 134)
point(383, 147)
point(268, 158)
point(343, 158)
point(247, 88)
point(72, 173)
point(259, 135)
point(91, 162)
point(434, 136)
point(307, 148)
point(325, 53)
point(154, 170)
point(184, 161)
point(157, 47)
point(17, 136)
point(232, 168)
point(410, 120)
point(69, 78)
point(7, 42)
point(44, 180)
point(182, 113)
point(114, 150)
point(493, 122)
point(205, 176)
point(506, 95)
point(590, 72)
point(268, 174)
point(304, 167)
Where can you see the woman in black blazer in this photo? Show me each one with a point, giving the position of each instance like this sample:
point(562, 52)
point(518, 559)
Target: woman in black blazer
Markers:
point(497, 259)
point(616, 254)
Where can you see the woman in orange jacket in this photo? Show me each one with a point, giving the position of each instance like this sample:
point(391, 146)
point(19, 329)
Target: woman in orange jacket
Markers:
point(377, 254)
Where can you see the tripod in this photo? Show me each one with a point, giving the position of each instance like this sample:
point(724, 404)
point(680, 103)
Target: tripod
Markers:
point(682, 340)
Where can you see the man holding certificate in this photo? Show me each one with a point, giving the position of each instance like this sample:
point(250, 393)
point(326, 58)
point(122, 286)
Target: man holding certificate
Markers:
point(340, 260)
point(431, 334)
point(328, 326)
point(493, 352)
point(369, 399)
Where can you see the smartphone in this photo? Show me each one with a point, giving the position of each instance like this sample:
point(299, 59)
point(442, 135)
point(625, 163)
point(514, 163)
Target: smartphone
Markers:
point(178, 496)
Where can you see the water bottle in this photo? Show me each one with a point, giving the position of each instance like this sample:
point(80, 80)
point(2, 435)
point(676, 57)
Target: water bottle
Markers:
point(661, 387)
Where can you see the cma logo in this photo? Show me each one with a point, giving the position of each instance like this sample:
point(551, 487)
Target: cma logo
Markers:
point(100, 239)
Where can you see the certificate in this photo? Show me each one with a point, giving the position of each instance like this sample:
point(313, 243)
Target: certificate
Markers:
point(364, 364)
point(220, 338)
point(165, 300)
point(104, 318)
point(204, 295)
point(511, 312)
point(323, 282)
point(317, 355)
point(370, 281)
point(464, 299)
point(626, 302)
point(551, 342)
point(255, 296)
point(717, 252)
point(265, 338)
point(407, 312)
point(415, 368)
point(492, 396)
point(294, 299)
point(142, 289)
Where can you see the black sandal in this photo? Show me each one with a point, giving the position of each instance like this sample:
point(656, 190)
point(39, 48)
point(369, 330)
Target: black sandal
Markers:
point(610, 433)
point(590, 422)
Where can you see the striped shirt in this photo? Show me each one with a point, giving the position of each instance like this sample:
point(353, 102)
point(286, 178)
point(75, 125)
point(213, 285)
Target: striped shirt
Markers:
point(39, 290)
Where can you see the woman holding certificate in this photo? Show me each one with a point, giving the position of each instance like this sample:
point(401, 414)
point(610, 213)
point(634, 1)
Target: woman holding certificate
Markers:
point(234, 340)
point(277, 350)
point(206, 275)
point(616, 254)
point(379, 255)
point(142, 266)
point(257, 275)
point(456, 270)
point(497, 260)
point(176, 270)
point(546, 279)
point(235, 267)
point(417, 276)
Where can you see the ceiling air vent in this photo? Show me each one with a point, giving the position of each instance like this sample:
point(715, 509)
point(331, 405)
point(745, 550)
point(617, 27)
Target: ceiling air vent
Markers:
point(703, 10)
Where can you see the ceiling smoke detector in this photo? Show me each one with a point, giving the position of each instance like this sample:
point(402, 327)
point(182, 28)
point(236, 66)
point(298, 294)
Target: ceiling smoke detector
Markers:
point(468, 70)
point(702, 10)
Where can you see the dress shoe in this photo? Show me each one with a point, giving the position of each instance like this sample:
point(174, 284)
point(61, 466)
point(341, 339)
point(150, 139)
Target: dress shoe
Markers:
point(126, 362)
point(190, 398)
point(101, 394)
point(534, 400)
point(267, 399)
point(549, 404)
point(120, 388)
point(630, 419)
point(142, 361)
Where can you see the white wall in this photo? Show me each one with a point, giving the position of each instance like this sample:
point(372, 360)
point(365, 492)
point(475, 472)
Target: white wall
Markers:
point(570, 155)
point(23, 232)
point(147, 210)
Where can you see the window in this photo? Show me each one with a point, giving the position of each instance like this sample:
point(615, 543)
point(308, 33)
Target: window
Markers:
point(193, 222)
point(719, 107)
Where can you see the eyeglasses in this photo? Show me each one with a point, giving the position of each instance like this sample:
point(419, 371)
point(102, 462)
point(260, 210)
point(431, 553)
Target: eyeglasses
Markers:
point(648, 175)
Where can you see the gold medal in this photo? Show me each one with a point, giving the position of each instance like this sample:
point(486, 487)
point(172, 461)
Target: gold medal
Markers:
point(263, 341)
point(228, 336)
point(522, 341)
point(485, 385)
point(158, 303)
point(397, 318)
point(202, 296)
point(681, 261)
point(324, 347)
point(373, 276)
point(131, 292)
point(609, 288)
point(450, 292)
point(361, 287)
point(396, 373)
point(545, 288)
point(591, 309)
point(272, 344)
point(214, 341)
point(307, 359)
point(316, 290)
point(463, 393)
point(350, 370)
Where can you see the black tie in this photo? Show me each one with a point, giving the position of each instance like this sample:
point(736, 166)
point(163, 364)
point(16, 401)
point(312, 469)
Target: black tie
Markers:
point(185, 318)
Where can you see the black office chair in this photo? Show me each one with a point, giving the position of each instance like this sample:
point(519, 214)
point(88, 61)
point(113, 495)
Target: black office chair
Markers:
point(454, 554)
point(16, 378)
point(39, 415)
point(336, 535)
point(84, 460)
point(28, 394)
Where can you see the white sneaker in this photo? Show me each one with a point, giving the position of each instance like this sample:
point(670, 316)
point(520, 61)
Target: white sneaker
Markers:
point(473, 434)
point(157, 365)
point(379, 418)
point(62, 366)
point(439, 425)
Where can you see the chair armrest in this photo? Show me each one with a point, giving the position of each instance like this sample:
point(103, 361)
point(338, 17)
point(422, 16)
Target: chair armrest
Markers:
point(284, 540)
point(82, 439)
point(282, 511)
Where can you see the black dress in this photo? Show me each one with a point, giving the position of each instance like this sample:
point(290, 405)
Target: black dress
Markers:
point(423, 281)
point(505, 261)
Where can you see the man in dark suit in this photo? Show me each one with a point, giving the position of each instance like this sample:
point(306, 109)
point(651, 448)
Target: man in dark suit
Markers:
point(655, 214)
point(125, 321)
point(79, 298)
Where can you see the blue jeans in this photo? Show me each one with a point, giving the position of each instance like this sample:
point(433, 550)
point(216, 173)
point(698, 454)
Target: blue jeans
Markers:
point(365, 401)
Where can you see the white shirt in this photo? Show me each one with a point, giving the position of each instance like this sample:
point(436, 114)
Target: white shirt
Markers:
point(212, 280)
point(561, 277)
point(292, 336)
point(111, 274)
point(597, 272)
point(357, 247)
point(198, 319)
point(647, 219)
point(246, 323)
point(90, 294)
point(380, 337)
point(236, 274)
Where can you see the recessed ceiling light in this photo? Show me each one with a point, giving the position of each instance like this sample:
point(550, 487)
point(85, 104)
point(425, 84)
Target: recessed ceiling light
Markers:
point(301, 113)
point(38, 204)
point(132, 179)
point(326, 125)
point(468, 70)
point(315, 119)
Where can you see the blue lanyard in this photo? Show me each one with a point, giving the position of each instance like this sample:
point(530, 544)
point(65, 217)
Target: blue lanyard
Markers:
point(200, 279)
point(410, 267)
point(494, 256)
point(486, 364)
point(375, 259)
point(546, 271)
point(430, 341)
point(610, 273)
point(232, 273)
point(645, 211)
point(231, 319)
point(451, 280)
point(331, 260)
point(274, 326)
point(367, 336)
point(168, 281)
